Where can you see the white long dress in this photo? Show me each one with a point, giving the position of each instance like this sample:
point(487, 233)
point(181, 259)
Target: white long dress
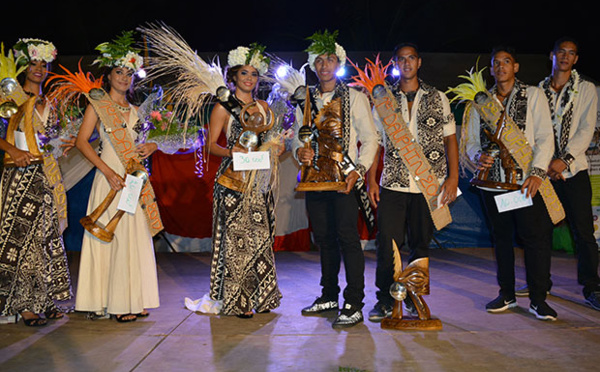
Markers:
point(117, 277)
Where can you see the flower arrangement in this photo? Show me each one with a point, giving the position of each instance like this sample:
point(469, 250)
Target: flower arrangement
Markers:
point(34, 50)
point(168, 132)
point(120, 53)
point(253, 56)
point(324, 43)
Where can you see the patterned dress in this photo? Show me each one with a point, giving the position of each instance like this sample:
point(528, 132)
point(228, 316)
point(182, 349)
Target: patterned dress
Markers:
point(33, 262)
point(243, 274)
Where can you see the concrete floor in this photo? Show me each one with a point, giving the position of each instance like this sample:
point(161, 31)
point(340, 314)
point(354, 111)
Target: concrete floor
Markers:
point(175, 339)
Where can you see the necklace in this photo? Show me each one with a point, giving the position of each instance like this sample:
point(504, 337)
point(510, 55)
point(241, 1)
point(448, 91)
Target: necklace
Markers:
point(123, 108)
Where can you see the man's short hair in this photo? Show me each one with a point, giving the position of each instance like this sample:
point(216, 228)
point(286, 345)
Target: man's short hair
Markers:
point(404, 45)
point(565, 39)
point(504, 48)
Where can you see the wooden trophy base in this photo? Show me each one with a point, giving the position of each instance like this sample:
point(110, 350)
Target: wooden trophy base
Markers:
point(88, 223)
point(321, 186)
point(412, 324)
point(10, 163)
point(495, 185)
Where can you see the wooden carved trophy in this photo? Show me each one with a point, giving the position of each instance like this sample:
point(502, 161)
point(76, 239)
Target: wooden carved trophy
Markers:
point(413, 282)
point(107, 233)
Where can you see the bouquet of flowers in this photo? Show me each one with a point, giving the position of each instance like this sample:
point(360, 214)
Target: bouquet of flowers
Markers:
point(171, 135)
point(66, 124)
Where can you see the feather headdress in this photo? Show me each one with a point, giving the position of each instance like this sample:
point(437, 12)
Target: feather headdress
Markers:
point(195, 79)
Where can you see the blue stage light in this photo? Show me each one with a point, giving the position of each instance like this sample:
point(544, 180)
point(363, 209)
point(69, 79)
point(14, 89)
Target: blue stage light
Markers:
point(395, 72)
point(341, 72)
point(141, 73)
point(281, 71)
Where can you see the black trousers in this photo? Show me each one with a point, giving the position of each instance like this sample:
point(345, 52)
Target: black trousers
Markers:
point(400, 215)
point(575, 195)
point(334, 218)
point(534, 229)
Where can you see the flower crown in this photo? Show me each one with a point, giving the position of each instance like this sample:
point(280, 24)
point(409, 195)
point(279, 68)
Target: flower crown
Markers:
point(34, 50)
point(120, 53)
point(253, 56)
point(324, 43)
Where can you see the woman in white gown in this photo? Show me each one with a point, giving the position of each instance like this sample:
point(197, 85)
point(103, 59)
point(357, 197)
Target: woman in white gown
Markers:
point(117, 278)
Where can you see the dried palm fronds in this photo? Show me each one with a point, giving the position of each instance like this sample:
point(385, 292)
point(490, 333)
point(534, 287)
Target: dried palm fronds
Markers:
point(195, 80)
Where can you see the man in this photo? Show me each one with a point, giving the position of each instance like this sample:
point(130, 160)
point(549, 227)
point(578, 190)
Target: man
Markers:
point(573, 104)
point(334, 214)
point(402, 208)
point(528, 109)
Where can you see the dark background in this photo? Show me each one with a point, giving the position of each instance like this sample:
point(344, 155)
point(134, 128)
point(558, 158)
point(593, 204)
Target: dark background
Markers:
point(459, 26)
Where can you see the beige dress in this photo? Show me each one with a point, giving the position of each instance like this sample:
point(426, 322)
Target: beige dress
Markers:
point(117, 277)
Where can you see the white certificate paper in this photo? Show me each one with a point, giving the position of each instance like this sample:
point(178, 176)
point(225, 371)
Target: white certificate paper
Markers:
point(130, 194)
point(512, 200)
point(251, 160)
point(21, 141)
point(439, 199)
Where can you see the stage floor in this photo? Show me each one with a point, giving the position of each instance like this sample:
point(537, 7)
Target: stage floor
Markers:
point(175, 339)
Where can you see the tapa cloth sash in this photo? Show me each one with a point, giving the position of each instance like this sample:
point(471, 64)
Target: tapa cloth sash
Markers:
point(125, 148)
point(516, 143)
point(411, 154)
point(31, 125)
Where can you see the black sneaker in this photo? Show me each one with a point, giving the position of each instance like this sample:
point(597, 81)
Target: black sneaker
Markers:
point(319, 306)
point(543, 311)
point(379, 312)
point(349, 317)
point(500, 304)
point(593, 299)
point(409, 307)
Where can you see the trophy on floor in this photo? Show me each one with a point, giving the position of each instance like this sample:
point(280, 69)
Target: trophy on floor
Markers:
point(324, 173)
point(413, 282)
point(496, 149)
point(107, 233)
point(252, 126)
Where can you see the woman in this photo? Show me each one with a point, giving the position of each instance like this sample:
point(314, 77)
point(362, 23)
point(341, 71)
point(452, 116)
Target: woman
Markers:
point(243, 274)
point(118, 277)
point(33, 263)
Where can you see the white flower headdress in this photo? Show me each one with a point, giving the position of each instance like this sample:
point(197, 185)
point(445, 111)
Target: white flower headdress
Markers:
point(34, 50)
point(324, 43)
point(120, 53)
point(253, 56)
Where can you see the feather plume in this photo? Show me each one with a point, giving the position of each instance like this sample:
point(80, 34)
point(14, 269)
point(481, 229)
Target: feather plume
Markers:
point(195, 80)
point(8, 64)
point(475, 84)
point(374, 74)
point(68, 87)
point(465, 92)
point(284, 74)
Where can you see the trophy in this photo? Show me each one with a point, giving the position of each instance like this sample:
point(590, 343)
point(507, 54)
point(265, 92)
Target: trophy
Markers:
point(252, 125)
point(324, 172)
point(10, 110)
point(413, 282)
point(496, 149)
point(107, 233)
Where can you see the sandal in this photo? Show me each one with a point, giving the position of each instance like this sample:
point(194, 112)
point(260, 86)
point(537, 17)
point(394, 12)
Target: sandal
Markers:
point(143, 314)
point(245, 315)
point(36, 321)
point(125, 318)
point(54, 315)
